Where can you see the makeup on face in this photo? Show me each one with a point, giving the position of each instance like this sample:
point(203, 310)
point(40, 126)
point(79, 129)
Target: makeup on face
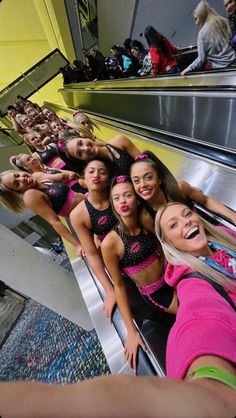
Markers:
point(82, 148)
point(124, 199)
point(18, 181)
point(182, 227)
point(145, 180)
point(96, 175)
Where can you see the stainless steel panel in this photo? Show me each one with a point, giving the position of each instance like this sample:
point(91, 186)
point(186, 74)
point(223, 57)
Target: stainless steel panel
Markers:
point(224, 79)
point(213, 178)
point(201, 116)
point(107, 334)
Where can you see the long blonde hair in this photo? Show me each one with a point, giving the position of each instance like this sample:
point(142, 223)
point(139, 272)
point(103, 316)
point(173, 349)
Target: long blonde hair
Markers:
point(17, 163)
point(9, 198)
point(177, 257)
point(218, 26)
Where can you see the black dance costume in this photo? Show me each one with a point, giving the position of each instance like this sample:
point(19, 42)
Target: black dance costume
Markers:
point(60, 196)
point(122, 163)
point(141, 251)
point(102, 220)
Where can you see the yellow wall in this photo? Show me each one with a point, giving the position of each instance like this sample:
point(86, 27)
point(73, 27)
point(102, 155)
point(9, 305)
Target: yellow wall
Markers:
point(29, 30)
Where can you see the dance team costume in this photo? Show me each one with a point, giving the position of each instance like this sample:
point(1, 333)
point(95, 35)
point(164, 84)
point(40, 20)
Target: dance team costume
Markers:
point(122, 163)
point(102, 220)
point(60, 196)
point(49, 156)
point(141, 251)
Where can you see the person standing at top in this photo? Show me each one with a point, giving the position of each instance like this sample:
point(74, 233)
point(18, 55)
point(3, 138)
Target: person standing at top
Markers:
point(230, 6)
point(213, 42)
point(162, 52)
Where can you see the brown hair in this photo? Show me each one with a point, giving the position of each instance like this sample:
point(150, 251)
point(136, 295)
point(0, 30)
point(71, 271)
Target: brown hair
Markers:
point(169, 184)
point(123, 180)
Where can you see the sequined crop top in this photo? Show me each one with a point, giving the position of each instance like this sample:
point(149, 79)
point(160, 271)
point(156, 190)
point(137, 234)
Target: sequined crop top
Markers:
point(122, 163)
point(60, 196)
point(102, 220)
point(48, 155)
point(140, 251)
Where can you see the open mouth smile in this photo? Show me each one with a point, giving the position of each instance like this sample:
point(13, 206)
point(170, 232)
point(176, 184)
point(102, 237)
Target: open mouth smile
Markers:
point(192, 233)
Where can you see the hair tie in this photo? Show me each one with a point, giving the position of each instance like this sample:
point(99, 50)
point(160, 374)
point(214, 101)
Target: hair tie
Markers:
point(121, 179)
point(61, 145)
point(13, 158)
point(141, 156)
point(77, 112)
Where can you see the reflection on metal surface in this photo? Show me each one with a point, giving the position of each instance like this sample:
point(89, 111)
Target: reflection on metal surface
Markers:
point(111, 336)
point(86, 11)
point(224, 79)
point(110, 340)
point(209, 117)
point(213, 178)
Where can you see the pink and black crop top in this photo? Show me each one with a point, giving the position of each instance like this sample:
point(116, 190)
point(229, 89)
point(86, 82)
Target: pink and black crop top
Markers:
point(102, 220)
point(140, 251)
point(122, 163)
point(60, 196)
point(48, 156)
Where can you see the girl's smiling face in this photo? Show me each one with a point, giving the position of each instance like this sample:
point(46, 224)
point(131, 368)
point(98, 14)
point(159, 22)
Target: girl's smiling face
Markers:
point(145, 180)
point(18, 181)
point(182, 227)
point(82, 148)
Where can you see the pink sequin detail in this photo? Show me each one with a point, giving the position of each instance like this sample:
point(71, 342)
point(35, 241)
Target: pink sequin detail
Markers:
point(61, 144)
point(223, 258)
point(149, 289)
point(102, 220)
point(121, 179)
point(52, 192)
point(135, 248)
point(141, 156)
point(141, 266)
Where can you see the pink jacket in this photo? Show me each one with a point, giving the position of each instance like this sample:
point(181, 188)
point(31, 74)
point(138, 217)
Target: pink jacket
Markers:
point(205, 323)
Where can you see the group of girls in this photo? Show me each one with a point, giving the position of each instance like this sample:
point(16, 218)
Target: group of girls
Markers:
point(213, 44)
point(169, 264)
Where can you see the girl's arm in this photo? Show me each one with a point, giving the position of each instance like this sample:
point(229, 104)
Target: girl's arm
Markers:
point(201, 58)
point(85, 235)
point(62, 177)
point(36, 201)
point(111, 260)
point(125, 144)
point(209, 202)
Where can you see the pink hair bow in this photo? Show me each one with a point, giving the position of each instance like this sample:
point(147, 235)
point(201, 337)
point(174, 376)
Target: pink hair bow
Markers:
point(121, 179)
point(14, 158)
point(61, 145)
point(141, 156)
point(77, 112)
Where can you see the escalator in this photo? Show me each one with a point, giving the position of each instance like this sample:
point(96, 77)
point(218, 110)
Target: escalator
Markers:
point(205, 166)
point(189, 123)
point(200, 107)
